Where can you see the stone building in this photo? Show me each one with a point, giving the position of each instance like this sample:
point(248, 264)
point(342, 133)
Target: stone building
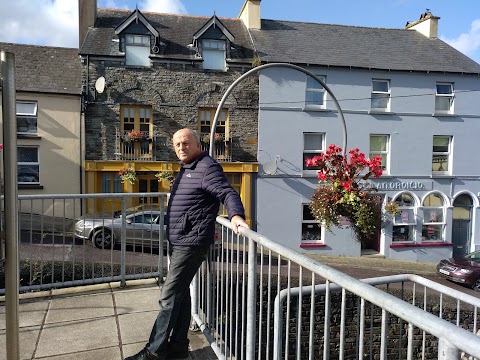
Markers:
point(146, 75)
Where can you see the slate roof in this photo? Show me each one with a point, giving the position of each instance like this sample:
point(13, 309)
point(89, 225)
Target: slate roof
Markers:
point(294, 42)
point(176, 32)
point(357, 47)
point(46, 69)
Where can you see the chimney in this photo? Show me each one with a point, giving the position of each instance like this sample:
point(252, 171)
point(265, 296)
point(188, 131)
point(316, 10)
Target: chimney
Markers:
point(87, 15)
point(250, 14)
point(427, 25)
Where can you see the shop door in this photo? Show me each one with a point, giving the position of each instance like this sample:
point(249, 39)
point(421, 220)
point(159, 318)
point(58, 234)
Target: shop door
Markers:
point(461, 238)
point(462, 225)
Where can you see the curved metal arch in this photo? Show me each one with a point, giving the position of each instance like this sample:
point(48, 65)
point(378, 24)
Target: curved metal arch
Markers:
point(272, 65)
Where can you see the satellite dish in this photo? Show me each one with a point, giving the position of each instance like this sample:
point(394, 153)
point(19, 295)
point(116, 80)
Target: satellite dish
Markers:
point(270, 167)
point(100, 84)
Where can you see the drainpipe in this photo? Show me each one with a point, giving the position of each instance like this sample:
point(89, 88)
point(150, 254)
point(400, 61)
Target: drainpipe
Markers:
point(7, 70)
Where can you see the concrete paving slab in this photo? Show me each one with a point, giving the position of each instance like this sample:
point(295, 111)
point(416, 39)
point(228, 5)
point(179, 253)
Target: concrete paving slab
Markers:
point(111, 353)
point(141, 300)
point(136, 327)
point(77, 336)
point(132, 349)
point(31, 313)
point(81, 307)
point(27, 339)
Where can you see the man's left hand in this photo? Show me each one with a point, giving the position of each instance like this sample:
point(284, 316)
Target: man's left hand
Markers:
point(238, 221)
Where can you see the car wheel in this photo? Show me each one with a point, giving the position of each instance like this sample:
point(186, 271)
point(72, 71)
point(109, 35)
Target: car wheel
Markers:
point(103, 239)
point(477, 285)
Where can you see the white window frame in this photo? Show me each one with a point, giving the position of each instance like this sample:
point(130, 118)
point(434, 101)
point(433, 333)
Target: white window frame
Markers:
point(318, 89)
point(440, 96)
point(212, 50)
point(430, 222)
point(30, 163)
point(377, 93)
point(399, 220)
point(313, 224)
point(447, 153)
point(312, 152)
point(27, 115)
point(137, 50)
point(386, 152)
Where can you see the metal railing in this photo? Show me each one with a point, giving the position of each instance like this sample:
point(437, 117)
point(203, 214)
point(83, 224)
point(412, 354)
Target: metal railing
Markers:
point(223, 148)
point(142, 148)
point(55, 251)
point(253, 298)
point(256, 299)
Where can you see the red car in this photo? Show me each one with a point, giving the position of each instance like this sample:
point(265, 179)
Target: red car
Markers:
point(464, 270)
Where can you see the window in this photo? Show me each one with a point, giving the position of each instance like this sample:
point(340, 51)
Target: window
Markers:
point(379, 146)
point(137, 50)
point(311, 231)
point(444, 98)
point(441, 154)
point(205, 121)
point(28, 165)
point(433, 218)
point(404, 222)
point(26, 117)
point(380, 95)
point(111, 183)
point(315, 95)
point(236, 181)
point(313, 144)
point(213, 53)
point(136, 125)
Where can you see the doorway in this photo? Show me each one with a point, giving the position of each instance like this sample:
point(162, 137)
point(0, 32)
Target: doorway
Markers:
point(148, 184)
point(462, 225)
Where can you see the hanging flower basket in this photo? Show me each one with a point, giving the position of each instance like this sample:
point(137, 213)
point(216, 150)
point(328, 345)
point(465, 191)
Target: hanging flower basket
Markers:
point(218, 138)
point(128, 175)
point(345, 193)
point(165, 175)
point(135, 136)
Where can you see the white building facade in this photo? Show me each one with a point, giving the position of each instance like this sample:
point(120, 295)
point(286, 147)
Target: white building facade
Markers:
point(420, 114)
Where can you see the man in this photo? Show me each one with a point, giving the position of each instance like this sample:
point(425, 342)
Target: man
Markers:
point(194, 202)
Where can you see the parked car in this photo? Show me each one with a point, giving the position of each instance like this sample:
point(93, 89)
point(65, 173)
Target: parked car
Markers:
point(465, 270)
point(142, 228)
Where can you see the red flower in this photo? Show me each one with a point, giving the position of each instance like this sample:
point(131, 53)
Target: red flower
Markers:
point(1, 146)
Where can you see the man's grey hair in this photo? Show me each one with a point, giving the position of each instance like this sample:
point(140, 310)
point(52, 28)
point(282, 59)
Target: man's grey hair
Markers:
point(192, 132)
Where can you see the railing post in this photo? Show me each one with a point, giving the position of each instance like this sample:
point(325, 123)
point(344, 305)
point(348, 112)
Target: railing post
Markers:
point(162, 240)
point(251, 299)
point(447, 351)
point(123, 244)
point(12, 287)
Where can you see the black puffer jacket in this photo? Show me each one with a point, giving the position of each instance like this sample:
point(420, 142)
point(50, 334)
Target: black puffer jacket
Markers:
point(195, 201)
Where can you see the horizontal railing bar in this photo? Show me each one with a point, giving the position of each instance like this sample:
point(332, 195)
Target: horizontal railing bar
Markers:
point(71, 283)
point(89, 196)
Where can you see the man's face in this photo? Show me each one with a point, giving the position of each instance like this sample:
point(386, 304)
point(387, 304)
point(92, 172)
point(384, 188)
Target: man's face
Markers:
point(185, 145)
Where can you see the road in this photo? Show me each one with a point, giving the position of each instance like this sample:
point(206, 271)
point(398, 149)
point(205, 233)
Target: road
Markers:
point(65, 247)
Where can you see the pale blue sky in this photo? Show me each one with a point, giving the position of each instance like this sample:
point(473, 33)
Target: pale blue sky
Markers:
point(54, 22)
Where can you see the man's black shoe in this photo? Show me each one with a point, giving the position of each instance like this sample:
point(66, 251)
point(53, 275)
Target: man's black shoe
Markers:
point(177, 350)
point(145, 355)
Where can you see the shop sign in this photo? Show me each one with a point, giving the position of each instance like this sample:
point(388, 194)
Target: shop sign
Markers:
point(403, 185)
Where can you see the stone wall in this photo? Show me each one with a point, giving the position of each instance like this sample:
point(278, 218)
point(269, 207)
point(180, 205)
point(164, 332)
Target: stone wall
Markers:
point(175, 91)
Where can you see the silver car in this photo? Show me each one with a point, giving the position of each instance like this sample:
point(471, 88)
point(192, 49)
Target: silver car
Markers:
point(142, 229)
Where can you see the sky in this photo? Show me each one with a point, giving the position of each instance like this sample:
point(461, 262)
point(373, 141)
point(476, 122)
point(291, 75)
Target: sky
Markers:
point(55, 22)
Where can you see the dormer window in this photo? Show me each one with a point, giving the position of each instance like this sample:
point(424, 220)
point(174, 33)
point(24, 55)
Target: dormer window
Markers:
point(136, 34)
point(213, 53)
point(213, 41)
point(137, 50)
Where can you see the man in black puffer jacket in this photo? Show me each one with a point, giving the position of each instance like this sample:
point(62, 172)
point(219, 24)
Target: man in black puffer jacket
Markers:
point(193, 206)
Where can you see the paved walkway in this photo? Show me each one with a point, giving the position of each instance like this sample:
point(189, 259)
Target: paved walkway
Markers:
point(95, 322)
